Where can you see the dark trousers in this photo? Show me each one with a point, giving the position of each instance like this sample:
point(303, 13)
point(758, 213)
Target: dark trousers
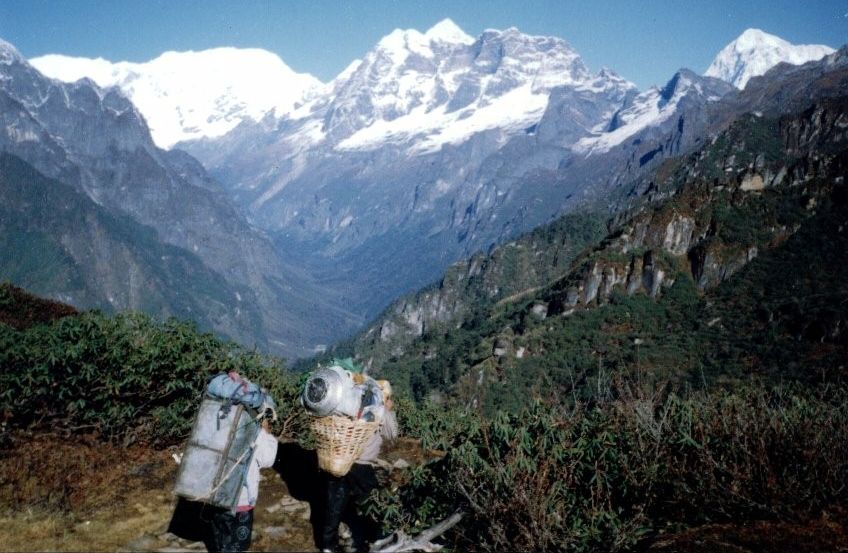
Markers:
point(231, 532)
point(344, 494)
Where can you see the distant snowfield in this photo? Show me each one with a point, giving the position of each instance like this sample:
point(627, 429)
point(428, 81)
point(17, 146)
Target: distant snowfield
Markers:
point(752, 54)
point(189, 95)
point(408, 83)
point(648, 109)
point(517, 109)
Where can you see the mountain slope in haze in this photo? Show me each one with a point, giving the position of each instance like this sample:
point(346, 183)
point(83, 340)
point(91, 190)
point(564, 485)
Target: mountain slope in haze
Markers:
point(191, 95)
point(353, 179)
point(385, 181)
point(96, 141)
point(57, 241)
point(754, 52)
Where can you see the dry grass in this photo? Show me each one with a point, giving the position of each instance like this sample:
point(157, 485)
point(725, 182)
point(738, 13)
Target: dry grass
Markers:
point(107, 529)
point(59, 494)
point(825, 534)
point(80, 474)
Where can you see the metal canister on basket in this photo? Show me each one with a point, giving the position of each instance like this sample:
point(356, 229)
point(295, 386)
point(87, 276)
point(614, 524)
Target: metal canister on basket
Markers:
point(332, 391)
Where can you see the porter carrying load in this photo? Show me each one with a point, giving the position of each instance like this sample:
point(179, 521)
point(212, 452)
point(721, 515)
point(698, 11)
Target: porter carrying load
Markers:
point(348, 408)
point(214, 464)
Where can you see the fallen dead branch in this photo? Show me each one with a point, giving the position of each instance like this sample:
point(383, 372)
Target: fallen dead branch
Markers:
point(399, 541)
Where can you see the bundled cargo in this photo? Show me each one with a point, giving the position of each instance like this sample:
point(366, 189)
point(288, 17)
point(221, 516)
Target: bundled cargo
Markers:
point(214, 464)
point(348, 408)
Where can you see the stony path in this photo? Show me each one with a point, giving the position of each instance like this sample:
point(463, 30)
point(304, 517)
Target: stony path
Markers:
point(282, 522)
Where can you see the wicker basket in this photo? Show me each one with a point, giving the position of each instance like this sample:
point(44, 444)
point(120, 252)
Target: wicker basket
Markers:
point(340, 441)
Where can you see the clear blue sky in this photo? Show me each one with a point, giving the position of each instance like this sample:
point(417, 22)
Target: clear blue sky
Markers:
point(645, 41)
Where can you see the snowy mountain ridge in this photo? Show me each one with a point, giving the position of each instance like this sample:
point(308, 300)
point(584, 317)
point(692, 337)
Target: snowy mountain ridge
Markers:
point(421, 91)
point(754, 52)
point(417, 90)
point(413, 95)
point(189, 95)
point(429, 95)
point(648, 109)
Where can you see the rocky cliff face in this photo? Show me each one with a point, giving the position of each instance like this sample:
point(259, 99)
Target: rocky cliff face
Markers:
point(510, 270)
point(777, 179)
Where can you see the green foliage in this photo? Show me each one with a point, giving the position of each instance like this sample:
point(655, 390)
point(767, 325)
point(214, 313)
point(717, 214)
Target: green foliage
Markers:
point(36, 261)
point(780, 316)
point(127, 377)
point(604, 478)
point(639, 415)
point(745, 140)
point(750, 219)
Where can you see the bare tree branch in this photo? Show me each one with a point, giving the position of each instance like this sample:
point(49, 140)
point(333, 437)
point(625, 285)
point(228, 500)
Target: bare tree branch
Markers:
point(399, 542)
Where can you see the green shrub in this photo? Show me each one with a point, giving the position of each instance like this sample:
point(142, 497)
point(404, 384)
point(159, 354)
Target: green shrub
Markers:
point(605, 478)
point(127, 377)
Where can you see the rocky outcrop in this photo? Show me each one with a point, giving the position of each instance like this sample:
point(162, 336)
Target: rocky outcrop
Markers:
point(714, 212)
point(690, 232)
point(507, 272)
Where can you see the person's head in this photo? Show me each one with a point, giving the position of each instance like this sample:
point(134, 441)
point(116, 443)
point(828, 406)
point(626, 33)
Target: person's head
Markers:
point(386, 389)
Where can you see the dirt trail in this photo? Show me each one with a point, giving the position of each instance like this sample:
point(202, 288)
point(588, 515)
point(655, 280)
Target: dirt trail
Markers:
point(60, 494)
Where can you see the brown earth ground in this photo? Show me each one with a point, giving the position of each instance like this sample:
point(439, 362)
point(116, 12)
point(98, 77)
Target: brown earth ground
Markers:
point(826, 534)
point(79, 494)
point(61, 494)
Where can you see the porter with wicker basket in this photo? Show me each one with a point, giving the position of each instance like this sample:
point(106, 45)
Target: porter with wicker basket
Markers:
point(348, 410)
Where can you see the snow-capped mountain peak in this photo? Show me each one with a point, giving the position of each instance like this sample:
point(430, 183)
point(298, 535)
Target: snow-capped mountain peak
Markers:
point(650, 109)
point(754, 52)
point(424, 92)
point(190, 95)
point(679, 85)
point(448, 31)
point(398, 44)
